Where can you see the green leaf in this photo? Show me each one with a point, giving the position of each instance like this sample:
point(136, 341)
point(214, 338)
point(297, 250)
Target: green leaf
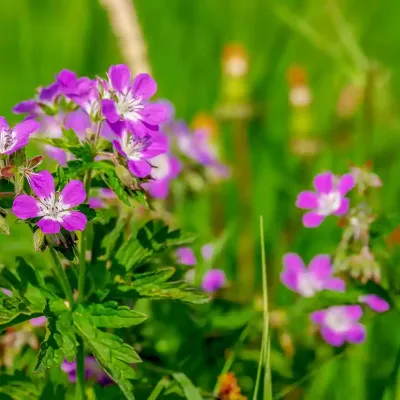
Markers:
point(109, 315)
point(384, 225)
point(111, 240)
point(191, 392)
point(60, 341)
point(18, 387)
point(153, 285)
point(114, 183)
point(4, 228)
point(14, 310)
point(90, 213)
point(113, 354)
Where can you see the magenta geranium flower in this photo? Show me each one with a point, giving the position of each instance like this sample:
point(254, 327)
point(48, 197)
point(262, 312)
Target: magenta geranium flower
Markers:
point(213, 280)
point(374, 302)
point(328, 199)
point(53, 209)
point(308, 281)
point(139, 148)
point(164, 169)
point(340, 324)
point(129, 100)
point(13, 139)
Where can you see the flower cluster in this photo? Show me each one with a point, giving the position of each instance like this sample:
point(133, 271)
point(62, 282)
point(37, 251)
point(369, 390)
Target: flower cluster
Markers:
point(338, 323)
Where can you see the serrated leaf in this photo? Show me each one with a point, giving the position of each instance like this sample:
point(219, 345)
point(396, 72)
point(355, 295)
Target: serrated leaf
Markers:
point(153, 285)
point(113, 354)
point(114, 183)
point(109, 315)
point(60, 341)
point(14, 310)
point(191, 392)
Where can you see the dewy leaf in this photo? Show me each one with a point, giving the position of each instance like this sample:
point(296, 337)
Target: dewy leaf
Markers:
point(189, 389)
point(153, 285)
point(109, 315)
point(113, 354)
point(60, 341)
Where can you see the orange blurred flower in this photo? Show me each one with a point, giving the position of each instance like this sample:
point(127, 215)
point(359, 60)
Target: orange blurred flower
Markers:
point(229, 388)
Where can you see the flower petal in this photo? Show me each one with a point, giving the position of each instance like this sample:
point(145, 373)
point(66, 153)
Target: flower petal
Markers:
point(56, 154)
point(356, 334)
point(158, 189)
point(74, 221)
point(109, 110)
point(78, 121)
point(139, 168)
point(26, 107)
point(293, 266)
point(344, 207)
point(186, 256)
point(120, 77)
point(323, 183)
point(374, 302)
point(3, 123)
point(73, 194)
point(320, 267)
point(155, 114)
point(159, 145)
point(332, 337)
point(175, 167)
point(26, 128)
point(38, 321)
point(307, 200)
point(353, 312)
point(48, 226)
point(346, 183)
point(42, 184)
point(144, 86)
point(335, 284)
point(25, 206)
point(318, 317)
point(312, 219)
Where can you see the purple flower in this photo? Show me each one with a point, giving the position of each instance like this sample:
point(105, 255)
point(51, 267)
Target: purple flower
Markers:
point(57, 154)
point(47, 96)
point(6, 292)
point(327, 200)
point(186, 256)
point(93, 370)
point(164, 168)
point(70, 85)
point(129, 100)
point(340, 324)
point(99, 202)
point(14, 139)
point(39, 321)
point(139, 149)
point(374, 302)
point(207, 251)
point(308, 281)
point(213, 280)
point(52, 208)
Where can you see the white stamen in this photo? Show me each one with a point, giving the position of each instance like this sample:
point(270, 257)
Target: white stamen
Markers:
point(129, 106)
point(337, 320)
point(328, 203)
point(307, 285)
point(53, 208)
point(134, 146)
point(8, 139)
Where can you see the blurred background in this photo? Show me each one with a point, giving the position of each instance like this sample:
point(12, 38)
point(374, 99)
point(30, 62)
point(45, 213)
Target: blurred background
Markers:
point(287, 89)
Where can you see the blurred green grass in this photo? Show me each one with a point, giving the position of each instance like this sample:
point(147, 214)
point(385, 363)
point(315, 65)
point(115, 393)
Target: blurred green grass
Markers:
point(185, 41)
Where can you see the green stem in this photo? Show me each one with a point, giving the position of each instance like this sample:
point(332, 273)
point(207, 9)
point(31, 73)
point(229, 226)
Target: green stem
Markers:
point(80, 366)
point(61, 276)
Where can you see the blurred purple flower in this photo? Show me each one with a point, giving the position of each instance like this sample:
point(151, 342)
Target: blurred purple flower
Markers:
point(186, 256)
point(164, 168)
point(99, 201)
point(213, 280)
point(308, 281)
point(59, 155)
point(129, 100)
point(340, 324)
point(52, 210)
point(93, 370)
point(6, 292)
point(39, 321)
point(13, 139)
point(374, 302)
point(207, 251)
point(139, 149)
point(327, 200)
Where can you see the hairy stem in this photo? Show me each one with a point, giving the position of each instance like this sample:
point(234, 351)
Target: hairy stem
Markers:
point(61, 276)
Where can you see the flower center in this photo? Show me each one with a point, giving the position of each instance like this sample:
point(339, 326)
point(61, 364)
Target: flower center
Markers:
point(129, 106)
point(52, 208)
point(161, 166)
point(328, 203)
point(307, 285)
point(7, 140)
point(337, 320)
point(134, 146)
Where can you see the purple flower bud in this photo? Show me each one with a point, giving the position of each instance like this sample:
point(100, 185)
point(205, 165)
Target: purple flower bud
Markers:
point(374, 302)
point(213, 280)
